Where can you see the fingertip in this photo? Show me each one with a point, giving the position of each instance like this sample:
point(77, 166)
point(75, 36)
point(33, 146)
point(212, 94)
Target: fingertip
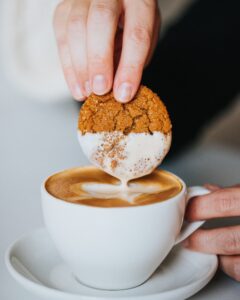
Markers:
point(124, 92)
point(78, 94)
point(99, 84)
point(88, 90)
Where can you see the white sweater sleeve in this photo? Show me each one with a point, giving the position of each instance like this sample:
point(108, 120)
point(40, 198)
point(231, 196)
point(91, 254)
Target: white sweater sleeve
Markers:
point(29, 53)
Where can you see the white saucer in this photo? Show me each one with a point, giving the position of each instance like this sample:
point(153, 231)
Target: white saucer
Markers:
point(34, 262)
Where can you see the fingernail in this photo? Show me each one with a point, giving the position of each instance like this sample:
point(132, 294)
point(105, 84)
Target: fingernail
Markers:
point(185, 243)
point(99, 84)
point(87, 88)
point(78, 93)
point(124, 92)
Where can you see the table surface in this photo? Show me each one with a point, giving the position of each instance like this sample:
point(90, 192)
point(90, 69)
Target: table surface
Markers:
point(39, 138)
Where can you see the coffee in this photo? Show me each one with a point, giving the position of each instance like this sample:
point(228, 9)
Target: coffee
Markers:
point(91, 186)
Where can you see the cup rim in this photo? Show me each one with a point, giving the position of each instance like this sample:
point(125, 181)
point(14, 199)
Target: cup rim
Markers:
point(164, 202)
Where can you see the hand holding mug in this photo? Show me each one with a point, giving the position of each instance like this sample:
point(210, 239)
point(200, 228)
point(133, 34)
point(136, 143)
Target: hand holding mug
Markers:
point(225, 241)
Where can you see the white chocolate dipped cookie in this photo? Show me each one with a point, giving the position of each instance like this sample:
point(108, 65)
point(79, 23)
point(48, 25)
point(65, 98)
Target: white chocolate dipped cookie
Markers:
point(128, 140)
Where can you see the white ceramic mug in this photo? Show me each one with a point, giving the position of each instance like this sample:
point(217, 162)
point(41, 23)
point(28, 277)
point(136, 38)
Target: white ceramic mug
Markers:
point(117, 248)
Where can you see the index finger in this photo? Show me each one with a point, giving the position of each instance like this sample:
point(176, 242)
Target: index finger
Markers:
point(102, 26)
point(224, 240)
point(220, 203)
point(137, 37)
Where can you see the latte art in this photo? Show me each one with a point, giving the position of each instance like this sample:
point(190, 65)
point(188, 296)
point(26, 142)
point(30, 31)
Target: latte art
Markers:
point(91, 186)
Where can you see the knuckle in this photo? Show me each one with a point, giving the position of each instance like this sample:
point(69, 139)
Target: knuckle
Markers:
point(76, 23)
point(231, 242)
point(132, 68)
point(227, 202)
point(96, 60)
point(140, 35)
point(149, 3)
point(104, 10)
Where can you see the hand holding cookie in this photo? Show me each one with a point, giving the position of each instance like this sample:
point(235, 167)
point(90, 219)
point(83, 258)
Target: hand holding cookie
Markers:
point(105, 44)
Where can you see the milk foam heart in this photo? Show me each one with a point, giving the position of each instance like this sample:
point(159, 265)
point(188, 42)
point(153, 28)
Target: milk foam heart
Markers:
point(94, 187)
point(125, 156)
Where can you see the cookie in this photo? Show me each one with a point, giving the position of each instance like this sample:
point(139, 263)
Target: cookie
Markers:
point(125, 140)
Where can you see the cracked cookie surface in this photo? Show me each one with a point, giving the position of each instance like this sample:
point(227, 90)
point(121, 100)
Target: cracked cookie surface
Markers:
point(145, 113)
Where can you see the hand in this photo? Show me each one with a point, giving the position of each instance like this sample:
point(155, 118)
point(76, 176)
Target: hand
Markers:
point(105, 43)
point(221, 202)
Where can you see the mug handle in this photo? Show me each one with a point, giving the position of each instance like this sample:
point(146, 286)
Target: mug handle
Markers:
point(188, 228)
